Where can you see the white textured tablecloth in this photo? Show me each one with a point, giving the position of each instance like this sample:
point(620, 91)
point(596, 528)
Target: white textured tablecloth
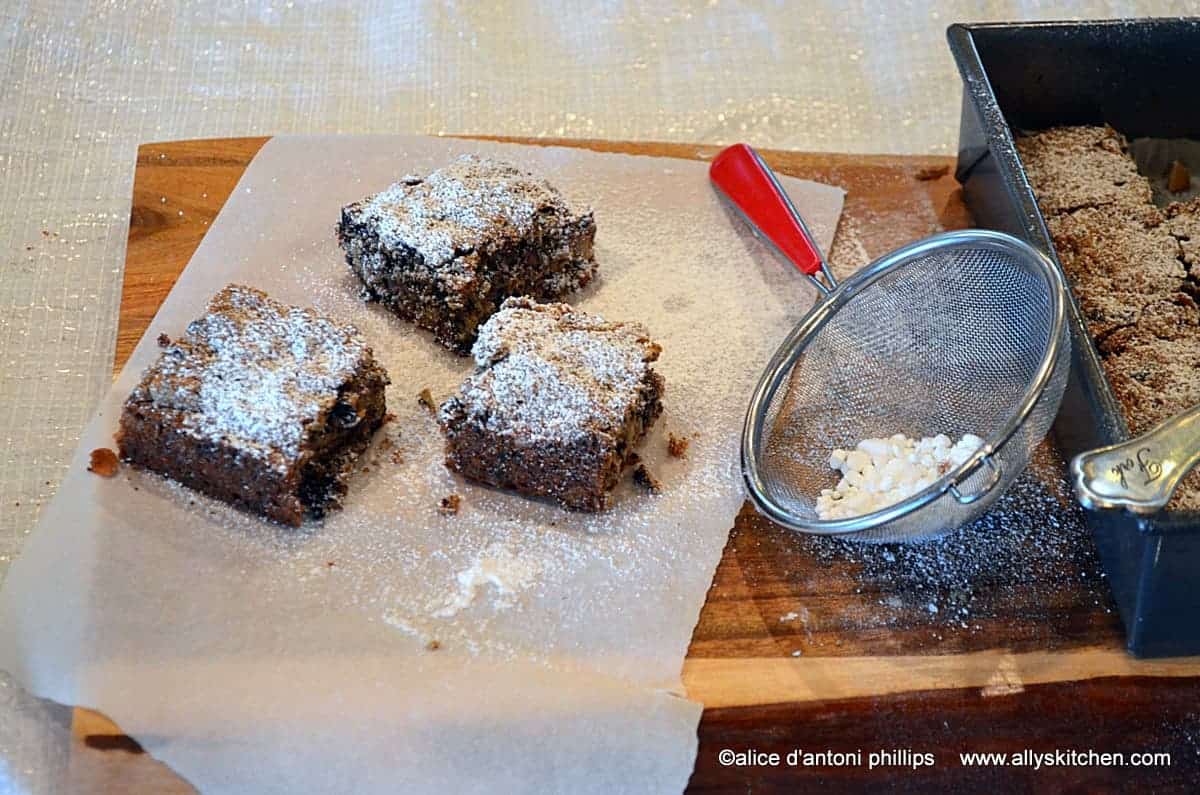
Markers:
point(83, 83)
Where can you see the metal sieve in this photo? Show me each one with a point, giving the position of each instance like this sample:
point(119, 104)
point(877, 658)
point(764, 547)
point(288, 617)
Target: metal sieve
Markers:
point(963, 332)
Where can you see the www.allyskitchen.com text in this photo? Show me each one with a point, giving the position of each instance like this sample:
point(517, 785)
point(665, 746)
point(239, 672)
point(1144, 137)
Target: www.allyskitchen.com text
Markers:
point(908, 758)
point(1065, 758)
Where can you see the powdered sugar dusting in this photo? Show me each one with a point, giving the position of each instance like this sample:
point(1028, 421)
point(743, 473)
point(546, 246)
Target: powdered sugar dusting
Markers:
point(547, 371)
point(254, 371)
point(472, 201)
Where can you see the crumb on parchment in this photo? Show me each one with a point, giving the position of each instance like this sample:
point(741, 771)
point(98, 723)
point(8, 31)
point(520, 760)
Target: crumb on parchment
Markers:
point(104, 462)
point(677, 445)
point(425, 398)
point(163, 340)
point(643, 478)
point(449, 505)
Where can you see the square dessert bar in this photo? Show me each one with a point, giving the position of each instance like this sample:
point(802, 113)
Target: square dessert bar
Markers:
point(1076, 167)
point(259, 404)
point(557, 402)
point(444, 251)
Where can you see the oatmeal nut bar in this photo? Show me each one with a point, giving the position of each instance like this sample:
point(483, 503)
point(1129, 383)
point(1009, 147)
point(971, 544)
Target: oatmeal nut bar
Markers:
point(1154, 379)
point(1075, 167)
point(1117, 265)
point(259, 404)
point(556, 404)
point(1183, 219)
point(445, 250)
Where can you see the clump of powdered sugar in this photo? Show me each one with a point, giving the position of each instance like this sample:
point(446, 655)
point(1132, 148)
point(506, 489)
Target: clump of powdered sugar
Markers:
point(882, 472)
point(254, 371)
point(472, 202)
point(548, 371)
point(497, 570)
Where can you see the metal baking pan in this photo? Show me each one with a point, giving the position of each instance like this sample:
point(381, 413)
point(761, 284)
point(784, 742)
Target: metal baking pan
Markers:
point(1140, 77)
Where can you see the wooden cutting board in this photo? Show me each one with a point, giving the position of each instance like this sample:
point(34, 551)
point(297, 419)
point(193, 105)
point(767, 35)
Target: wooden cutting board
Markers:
point(1006, 645)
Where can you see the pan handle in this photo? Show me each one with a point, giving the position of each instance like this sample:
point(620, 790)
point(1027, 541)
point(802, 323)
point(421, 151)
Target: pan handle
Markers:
point(1141, 474)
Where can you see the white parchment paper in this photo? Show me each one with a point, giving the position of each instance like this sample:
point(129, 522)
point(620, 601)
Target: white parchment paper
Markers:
point(252, 657)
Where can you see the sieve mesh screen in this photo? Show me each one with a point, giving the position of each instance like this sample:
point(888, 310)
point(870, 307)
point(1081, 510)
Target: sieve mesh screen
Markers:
point(947, 339)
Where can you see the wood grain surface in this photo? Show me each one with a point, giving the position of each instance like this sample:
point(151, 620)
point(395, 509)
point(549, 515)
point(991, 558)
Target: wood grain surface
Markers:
point(1000, 638)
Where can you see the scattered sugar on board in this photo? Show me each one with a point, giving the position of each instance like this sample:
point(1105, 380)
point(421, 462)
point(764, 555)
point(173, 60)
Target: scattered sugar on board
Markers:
point(1028, 542)
point(848, 253)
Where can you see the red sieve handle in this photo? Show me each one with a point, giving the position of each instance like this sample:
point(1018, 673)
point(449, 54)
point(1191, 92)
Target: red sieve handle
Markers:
point(741, 175)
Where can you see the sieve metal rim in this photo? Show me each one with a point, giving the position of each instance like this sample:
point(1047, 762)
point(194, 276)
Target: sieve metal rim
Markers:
point(810, 325)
